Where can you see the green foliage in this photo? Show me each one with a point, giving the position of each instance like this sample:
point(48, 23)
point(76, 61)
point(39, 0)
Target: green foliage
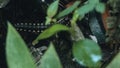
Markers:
point(115, 62)
point(51, 31)
point(85, 9)
point(48, 20)
point(17, 53)
point(52, 9)
point(93, 1)
point(80, 12)
point(50, 59)
point(100, 7)
point(87, 53)
point(68, 10)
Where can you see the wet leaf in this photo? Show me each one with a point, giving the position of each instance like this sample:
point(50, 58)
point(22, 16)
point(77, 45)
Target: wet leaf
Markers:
point(68, 10)
point(50, 59)
point(51, 31)
point(17, 52)
point(87, 53)
point(115, 63)
point(100, 7)
point(52, 9)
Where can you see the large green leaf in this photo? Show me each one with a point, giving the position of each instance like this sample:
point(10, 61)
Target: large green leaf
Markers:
point(100, 7)
point(87, 53)
point(50, 31)
point(17, 52)
point(68, 10)
point(52, 9)
point(50, 59)
point(115, 62)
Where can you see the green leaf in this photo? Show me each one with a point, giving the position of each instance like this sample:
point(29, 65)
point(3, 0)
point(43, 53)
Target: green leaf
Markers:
point(48, 20)
point(50, 59)
point(100, 7)
point(52, 9)
point(81, 11)
point(68, 10)
point(17, 52)
point(51, 31)
point(93, 1)
point(87, 53)
point(115, 63)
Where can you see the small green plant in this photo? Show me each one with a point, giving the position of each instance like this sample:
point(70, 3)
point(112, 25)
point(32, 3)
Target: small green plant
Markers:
point(85, 51)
